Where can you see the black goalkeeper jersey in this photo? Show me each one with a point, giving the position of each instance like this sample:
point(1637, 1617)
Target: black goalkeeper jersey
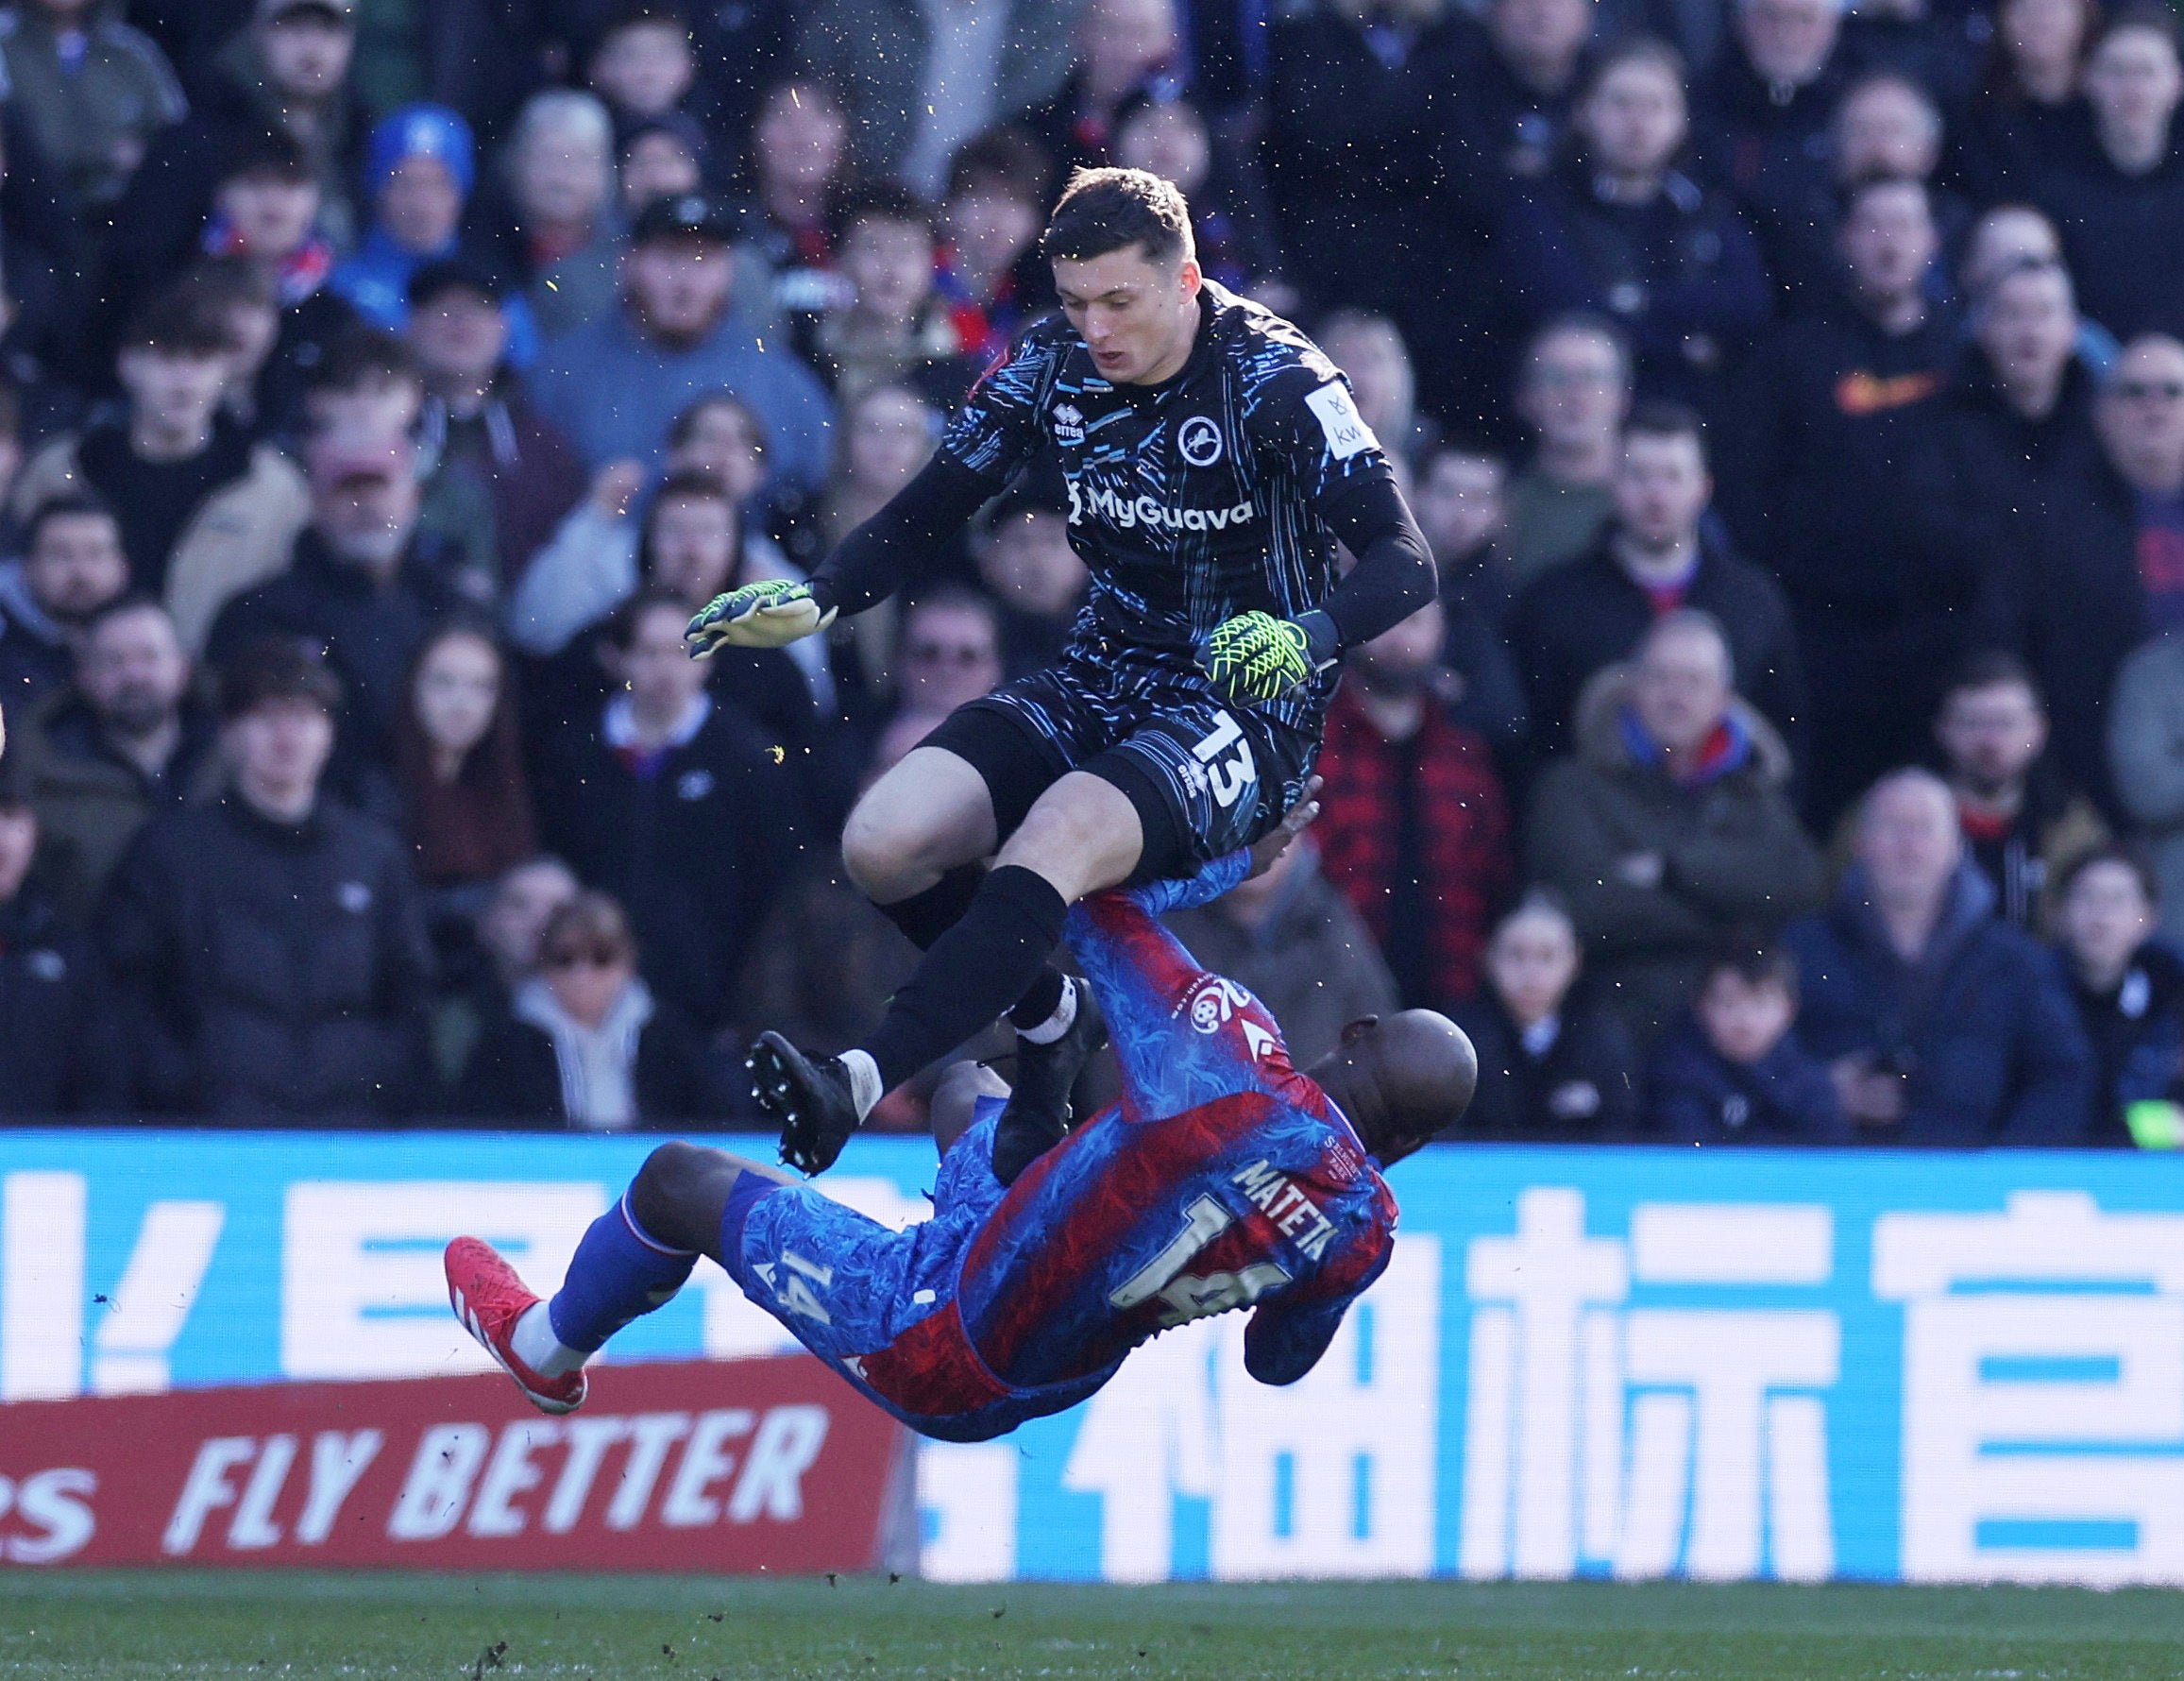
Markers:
point(1193, 500)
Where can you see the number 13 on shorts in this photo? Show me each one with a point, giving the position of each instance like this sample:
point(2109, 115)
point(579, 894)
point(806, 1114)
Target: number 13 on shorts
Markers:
point(1226, 755)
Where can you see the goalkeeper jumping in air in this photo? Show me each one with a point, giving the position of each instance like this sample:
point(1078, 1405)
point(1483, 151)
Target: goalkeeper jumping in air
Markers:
point(1212, 456)
point(1224, 1179)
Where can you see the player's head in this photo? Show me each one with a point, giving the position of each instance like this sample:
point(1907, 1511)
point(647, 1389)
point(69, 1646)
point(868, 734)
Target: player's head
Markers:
point(1401, 1079)
point(1127, 269)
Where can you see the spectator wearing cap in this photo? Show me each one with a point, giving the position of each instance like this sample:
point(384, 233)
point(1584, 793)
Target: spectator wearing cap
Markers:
point(478, 421)
point(2102, 568)
point(72, 566)
point(585, 1042)
point(555, 223)
point(364, 588)
point(615, 384)
point(419, 169)
point(2118, 193)
point(1668, 829)
point(205, 513)
point(60, 1052)
point(1823, 481)
point(94, 92)
point(129, 738)
point(1656, 556)
point(1942, 1025)
point(917, 88)
point(287, 74)
point(268, 948)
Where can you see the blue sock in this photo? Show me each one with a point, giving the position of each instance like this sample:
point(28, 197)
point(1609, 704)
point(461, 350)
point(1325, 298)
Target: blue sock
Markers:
point(619, 1273)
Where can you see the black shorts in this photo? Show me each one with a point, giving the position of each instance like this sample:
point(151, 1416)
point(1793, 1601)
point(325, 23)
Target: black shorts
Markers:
point(1205, 778)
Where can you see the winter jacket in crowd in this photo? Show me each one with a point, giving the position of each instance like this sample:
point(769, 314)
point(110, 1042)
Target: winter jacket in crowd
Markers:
point(1415, 834)
point(2136, 1029)
point(2002, 144)
point(694, 840)
point(1573, 1079)
point(2122, 235)
point(1980, 1026)
point(270, 973)
point(1311, 961)
point(94, 106)
point(1733, 857)
point(531, 472)
point(89, 800)
point(60, 1052)
point(35, 654)
point(2146, 754)
point(241, 534)
point(1576, 620)
point(1697, 1095)
point(642, 1066)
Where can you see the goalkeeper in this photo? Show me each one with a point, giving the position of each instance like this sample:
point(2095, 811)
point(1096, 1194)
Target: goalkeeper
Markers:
point(1213, 457)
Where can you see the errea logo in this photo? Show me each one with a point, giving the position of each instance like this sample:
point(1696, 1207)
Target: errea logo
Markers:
point(1068, 423)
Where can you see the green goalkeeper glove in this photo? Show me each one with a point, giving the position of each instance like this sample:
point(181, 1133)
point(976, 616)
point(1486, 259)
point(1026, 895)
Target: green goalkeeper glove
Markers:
point(1255, 658)
point(769, 614)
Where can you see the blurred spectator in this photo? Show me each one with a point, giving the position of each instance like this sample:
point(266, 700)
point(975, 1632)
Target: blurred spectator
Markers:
point(989, 225)
point(1938, 48)
point(1735, 1072)
point(886, 436)
point(1886, 124)
point(287, 75)
point(1459, 499)
point(363, 587)
point(1414, 827)
point(894, 329)
point(1370, 351)
point(585, 1042)
point(560, 232)
point(1553, 1067)
point(673, 802)
point(59, 1051)
point(1574, 620)
point(799, 163)
point(1124, 47)
point(1823, 486)
point(244, 303)
point(1573, 393)
point(2146, 756)
point(459, 768)
point(1293, 939)
point(131, 738)
point(478, 421)
point(2118, 193)
point(204, 512)
point(1024, 558)
point(480, 978)
point(2101, 566)
point(72, 566)
point(1667, 830)
point(1943, 1025)
point(659, 157)
point(94, 92)
point(1161, 130)
point(268, 947)
point(2024, 117)
point(2128, 987)
point(918, 85)
point(1519, 82)
point(2023, 822)
point(614, 386)
point(642, 64)
point(824, 963)
point(1352, 111)
point(1764, 115)
point(949, 654)
point(1620, 230)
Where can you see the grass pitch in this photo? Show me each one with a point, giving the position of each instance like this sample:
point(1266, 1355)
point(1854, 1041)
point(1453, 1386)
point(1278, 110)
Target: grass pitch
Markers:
point(141, 1624)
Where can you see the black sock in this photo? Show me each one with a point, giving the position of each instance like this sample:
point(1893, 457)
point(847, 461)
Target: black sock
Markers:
point(976, 970)
point(925, 917)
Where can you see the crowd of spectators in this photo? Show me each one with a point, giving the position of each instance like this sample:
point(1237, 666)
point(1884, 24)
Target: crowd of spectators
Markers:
point(1792, 394)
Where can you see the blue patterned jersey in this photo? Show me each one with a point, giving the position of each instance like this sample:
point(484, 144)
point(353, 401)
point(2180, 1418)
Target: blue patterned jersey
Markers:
point(1190, 501)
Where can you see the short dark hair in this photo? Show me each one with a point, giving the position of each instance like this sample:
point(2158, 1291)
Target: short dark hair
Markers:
point(1992, 667)
point(176, 322)
point(621, 631)
point(2130, 857)
point(269, 155)
point(130, 601)
point(685, 423)
point(71, 504)
point(952, 598)
point(1110, 210)
point(1659, 419)
point(222, 282)
point(879, 201)
point(1008, 161)
point(360, 356)
point(1755, 963)
point(276, 668)
point(1855, 190)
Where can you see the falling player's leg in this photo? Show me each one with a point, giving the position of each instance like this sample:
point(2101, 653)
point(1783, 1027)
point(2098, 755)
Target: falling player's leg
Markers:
point(632, 1261)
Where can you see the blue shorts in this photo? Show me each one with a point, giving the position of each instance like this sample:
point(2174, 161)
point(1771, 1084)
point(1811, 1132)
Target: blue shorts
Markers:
point(880, 1305)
